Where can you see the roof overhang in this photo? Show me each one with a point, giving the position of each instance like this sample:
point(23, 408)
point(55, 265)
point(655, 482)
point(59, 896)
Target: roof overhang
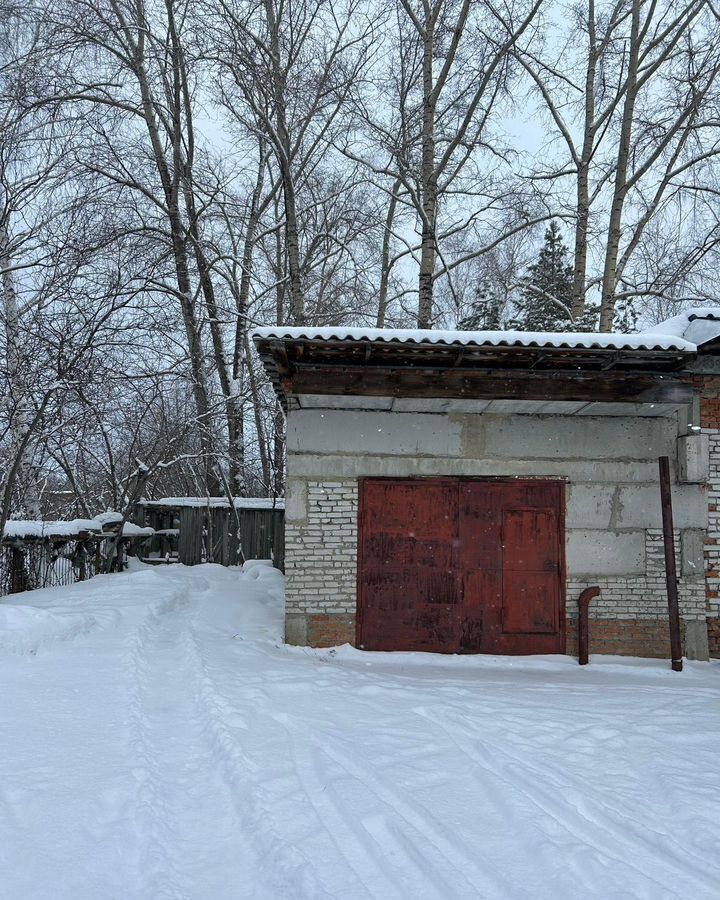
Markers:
point(476, 365)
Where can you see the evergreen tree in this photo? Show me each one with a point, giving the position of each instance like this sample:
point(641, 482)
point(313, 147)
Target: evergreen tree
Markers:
point(547, 288)
point(485, 310)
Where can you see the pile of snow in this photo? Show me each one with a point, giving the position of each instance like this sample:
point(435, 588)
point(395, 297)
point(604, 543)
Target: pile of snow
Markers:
point(159, 740)
point(109, 519)
point(697, 325)
point(130, 529)
point(104, 523)
point(21, 528)
point(41, 618)
point(25, 629)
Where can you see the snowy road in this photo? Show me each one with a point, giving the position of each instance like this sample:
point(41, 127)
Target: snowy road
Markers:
point(158, 741)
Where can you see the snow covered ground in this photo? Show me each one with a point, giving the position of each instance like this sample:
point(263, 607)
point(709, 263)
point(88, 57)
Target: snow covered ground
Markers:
point(158, 741)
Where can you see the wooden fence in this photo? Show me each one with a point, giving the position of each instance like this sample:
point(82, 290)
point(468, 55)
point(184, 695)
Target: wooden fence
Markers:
point(34, 562)
point(192, 533)
point(184, 532)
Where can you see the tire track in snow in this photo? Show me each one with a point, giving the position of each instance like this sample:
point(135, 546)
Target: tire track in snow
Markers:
point(594, 834)
point(179, 793)
point(619, 820)
point(287, 871)
point(349, 837)
point(480, 882)
point(154, 864)
point(631, 833)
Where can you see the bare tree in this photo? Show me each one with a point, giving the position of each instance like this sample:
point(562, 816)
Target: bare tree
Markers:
point(285, 73)
point(32, 164)
point(449, 69)
point(633, 109)
point(145, 82)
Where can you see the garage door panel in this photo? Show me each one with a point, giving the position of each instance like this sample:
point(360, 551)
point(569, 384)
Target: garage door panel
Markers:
point(537, 494)
point(436, 627)
point(408, 560)
point(482, 589)
point(529, 539)
point(405, 509)
point(461, 566)
point(480, 547)
point(397, 626)
point(472, 632)
point(421, 586)
point(529, 603)
point(392, 549)
point(388, 590)
point(478, 534)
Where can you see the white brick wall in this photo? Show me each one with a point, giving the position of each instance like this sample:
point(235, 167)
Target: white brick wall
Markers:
point(642, 596)
point(321, 564)
point(712, 545)
point(321, 550)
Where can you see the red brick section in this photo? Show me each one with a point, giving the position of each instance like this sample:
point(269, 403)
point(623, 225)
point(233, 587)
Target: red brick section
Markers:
point(714, 637)
point(327, 630)
point(708, 386)
point(619, 637)
point(625, 637)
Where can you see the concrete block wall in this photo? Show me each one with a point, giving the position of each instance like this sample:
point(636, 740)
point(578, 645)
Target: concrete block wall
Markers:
point(613, 512)
point(630, 615)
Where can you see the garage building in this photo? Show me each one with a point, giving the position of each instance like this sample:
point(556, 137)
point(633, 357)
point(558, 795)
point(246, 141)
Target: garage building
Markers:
point(455, 491)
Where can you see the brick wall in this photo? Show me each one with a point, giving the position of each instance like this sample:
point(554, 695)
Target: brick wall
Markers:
point(710, 422)
point(712, 542)
point(321, 551)
point(327, 630)
point(625, 637)
point(708, 387)
point(629, 617)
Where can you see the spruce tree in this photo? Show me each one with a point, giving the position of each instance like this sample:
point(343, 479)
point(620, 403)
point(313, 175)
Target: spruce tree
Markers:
point(485, 310)
point(547, 288)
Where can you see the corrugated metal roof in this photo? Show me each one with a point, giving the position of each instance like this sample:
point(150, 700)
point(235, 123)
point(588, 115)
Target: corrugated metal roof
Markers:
point(559, 340)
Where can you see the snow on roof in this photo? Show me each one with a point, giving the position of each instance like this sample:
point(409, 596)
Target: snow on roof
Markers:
point(697, 325)
point(215, 502)
point(109, 518)
point(24, 528)
point(130, 529)
point(569, 340)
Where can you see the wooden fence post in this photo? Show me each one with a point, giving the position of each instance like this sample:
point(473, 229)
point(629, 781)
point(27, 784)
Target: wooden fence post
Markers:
point(18, 579)
point(81, 555)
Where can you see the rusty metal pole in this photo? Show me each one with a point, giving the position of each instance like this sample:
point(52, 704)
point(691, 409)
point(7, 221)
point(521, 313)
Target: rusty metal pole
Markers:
point(583, 624)
point(670, 570)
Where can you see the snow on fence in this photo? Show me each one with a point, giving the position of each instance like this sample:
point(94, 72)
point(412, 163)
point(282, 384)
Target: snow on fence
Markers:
point(190, 530)
point(53, 554)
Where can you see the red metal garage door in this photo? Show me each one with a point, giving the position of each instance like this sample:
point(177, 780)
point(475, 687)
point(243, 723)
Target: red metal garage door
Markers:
point(461, 566)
